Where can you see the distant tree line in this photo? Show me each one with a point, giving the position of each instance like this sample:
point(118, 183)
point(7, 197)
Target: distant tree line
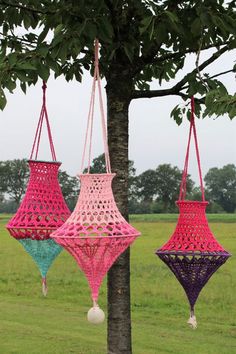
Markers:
point(153, 191)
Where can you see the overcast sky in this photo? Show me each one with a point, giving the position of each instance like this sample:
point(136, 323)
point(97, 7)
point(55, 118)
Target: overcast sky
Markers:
point(155, 138)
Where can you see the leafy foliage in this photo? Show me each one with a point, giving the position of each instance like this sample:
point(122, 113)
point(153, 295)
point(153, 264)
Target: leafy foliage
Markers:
point(168, 184)
point(147, 39)
point(157, 190)
point(14, 175)
point(147, 186)
point(98, 165)
point(69, 187)
point(221, 185)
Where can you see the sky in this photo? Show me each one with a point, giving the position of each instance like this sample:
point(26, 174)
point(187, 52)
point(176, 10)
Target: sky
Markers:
point(154, 137)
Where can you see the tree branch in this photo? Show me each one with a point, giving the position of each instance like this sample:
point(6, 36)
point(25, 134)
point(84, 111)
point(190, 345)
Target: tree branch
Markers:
point(5, 3)
point(176, 89)
point(142, 61)
point(20, 40)
point(223, 73)
point(213, 77)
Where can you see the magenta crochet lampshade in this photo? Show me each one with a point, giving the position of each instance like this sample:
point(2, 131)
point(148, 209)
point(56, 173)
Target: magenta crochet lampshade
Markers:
point(43, 208)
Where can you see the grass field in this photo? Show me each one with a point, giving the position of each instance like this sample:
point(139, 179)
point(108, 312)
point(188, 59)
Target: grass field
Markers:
point(225, 218)
point(31, 324)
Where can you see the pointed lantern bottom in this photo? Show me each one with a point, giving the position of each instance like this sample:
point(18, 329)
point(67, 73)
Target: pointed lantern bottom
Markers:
point(192, 253)
point(41, 211)
point(96, 233)
point(43, 253)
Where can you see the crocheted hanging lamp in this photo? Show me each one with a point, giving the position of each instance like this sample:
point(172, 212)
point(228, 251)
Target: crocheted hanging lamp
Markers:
point(192, 253)
point(96, 233)
point(43, 208)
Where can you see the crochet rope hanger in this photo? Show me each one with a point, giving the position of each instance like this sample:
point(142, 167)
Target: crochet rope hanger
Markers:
point(192, 253)
point(43, 208)
point(96, 233)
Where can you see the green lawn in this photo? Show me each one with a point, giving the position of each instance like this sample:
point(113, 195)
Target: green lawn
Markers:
point(31, 324)
point(173, 218)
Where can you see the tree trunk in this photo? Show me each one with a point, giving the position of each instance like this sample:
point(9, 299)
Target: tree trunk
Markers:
point(119, 88)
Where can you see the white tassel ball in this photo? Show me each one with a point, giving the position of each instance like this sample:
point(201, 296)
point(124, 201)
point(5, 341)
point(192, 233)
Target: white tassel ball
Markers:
point(192, 322)
point(95, 315)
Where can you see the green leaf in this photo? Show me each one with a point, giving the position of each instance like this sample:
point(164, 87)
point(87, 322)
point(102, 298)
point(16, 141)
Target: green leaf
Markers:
point(58, 29)
point(25, 66)
point(105, 30)
point(21, 75)
point(152, 29)
point(90, 30)
point(43, 34)
point(62, 53)
point(3, 100)
point(12, 59)
point(43, 71)
point(172, 16)
point(43, 50)
point(145, 23)
point(177, 115)
point(5, 28)
point(23, 86)
point(10, 85)
point(232, 112)
point(128, 51)
point(196, 27)
point(27, 20)
point(53, 64)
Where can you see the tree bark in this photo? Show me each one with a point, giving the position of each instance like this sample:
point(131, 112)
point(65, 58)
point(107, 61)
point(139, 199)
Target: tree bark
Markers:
point(119, 88)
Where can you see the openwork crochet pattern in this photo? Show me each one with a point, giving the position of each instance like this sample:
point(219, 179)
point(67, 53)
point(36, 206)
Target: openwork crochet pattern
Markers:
point(96, 233)
point(192, 232)
point(192, 253)
point(43, 208)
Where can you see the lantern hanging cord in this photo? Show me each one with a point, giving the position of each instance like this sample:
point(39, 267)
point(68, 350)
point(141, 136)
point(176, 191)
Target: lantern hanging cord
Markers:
point(89, 128)
point(44, 286)
point(192, 128)
point(37, 138)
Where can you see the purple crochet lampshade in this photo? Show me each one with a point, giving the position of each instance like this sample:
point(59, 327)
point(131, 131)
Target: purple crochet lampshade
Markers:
point(192, 253)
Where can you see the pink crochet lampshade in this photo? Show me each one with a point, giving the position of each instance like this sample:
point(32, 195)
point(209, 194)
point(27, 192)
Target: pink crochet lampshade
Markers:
point(96, 233)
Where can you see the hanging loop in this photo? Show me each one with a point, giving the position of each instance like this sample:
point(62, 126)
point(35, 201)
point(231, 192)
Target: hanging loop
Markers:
point(192, 129)
point(37, 138)
point(90, 119)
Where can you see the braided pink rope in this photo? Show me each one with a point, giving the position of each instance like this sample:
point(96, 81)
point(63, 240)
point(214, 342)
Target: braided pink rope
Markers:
point(182, 193)
point(38, 133)
point(89, 129)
